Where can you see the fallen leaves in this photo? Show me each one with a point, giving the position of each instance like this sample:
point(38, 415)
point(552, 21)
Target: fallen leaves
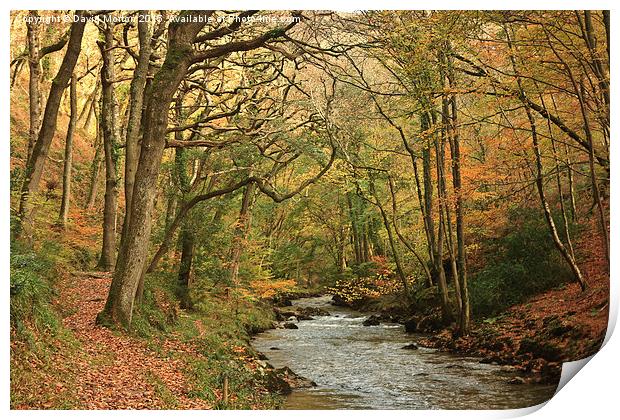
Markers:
point(118, 371)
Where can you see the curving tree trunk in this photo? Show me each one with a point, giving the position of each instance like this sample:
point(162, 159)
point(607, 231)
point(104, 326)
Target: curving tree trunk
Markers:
point(136, 100)
point(244, 222)
point(540, 175)
point(133, 252)
point(457, 184)
point(439, 269)
point(95, 169)
point(185, 267)
point(34, 88)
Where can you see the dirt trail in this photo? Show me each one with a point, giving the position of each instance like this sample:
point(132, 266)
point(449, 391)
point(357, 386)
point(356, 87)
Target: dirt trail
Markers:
point(117, 371)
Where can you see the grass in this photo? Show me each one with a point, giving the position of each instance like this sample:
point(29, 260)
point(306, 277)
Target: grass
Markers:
point(41, 349)
point(218, 330)
point(162, 391)
point(43, 352)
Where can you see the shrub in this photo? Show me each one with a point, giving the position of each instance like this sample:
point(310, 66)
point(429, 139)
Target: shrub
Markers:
point(524, 262)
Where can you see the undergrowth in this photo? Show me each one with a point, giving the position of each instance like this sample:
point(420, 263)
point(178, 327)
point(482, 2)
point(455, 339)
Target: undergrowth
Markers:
point(521, 263)
point(40, 345)
point(218, 328)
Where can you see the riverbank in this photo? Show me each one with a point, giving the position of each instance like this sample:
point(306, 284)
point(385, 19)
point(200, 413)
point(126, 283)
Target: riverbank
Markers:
point(172, 359)
point(533, 338)
point(538, 335)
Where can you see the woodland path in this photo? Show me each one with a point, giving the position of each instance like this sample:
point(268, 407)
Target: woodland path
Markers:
point(118, 371)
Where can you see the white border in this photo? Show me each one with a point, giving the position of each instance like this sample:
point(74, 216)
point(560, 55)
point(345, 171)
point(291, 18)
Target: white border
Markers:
point(592, 395)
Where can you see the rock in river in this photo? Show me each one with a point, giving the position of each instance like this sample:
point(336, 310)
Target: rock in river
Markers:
point(371, 320)
point(411, 324)
point(290, 326)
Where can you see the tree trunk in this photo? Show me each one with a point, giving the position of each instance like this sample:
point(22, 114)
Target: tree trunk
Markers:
point(558, 180)
point(34, 90)
point(446, 133)
point(545, 205)
point(66, 176)
point(429, 276)
point(135, 239)
point(569, 170)
point(461, 259)
point(241, 231)
point(95, 169)
point(40, 150)
point(354, 229)
point(136, 100)
point(109, 128)
point(185, 268)
point(429, 237)
point(539, 173)
point(595, 190)
point(392, 242)
point(441, 274)
point(428, 201)
point(187, 234)
point(465, 315)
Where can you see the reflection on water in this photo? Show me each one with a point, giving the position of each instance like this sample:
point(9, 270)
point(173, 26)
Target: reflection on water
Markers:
point(359, 367)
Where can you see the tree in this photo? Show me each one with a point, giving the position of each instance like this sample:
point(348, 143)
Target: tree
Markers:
point(110, 134)
point(68, 161)
point(182, 34)
point(40, 150)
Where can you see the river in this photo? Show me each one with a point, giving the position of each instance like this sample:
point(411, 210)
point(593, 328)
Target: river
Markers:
point(359, 367)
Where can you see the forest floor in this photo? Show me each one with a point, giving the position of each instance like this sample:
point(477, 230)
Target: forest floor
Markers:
point(119, 371)
point(105, 369)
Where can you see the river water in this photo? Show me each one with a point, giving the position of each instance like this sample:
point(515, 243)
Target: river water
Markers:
point(358, 367)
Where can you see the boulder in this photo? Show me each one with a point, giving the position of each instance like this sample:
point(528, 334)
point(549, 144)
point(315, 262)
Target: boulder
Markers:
point(508, 368)
point(550, 373)
point(264, 364)
point(491, 360)
point(310, 311)
point(411, 346)
point(517, 380)
point(286, 312)
point(293, 314)
point(290, 326)
point(371, 320)
point(276, 383)
point(455, 366)
point(430, 323)
point(338, 301)
point(293, 379)
point(282, 301)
